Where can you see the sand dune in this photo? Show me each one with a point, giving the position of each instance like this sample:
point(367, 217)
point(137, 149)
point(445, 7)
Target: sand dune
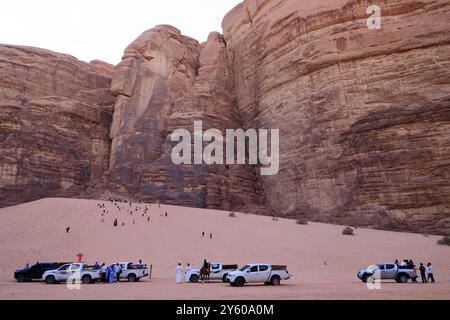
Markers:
point(323, 261)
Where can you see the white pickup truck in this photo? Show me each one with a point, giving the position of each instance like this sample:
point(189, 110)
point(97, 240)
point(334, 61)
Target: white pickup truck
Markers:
point(218, 271)
point(259, 273)
point(133, 272)
point(388, 271)
point(76, 271)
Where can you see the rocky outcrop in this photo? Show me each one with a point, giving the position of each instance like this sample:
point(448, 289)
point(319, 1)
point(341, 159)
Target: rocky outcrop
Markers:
point(364, 114)
point(55, 116)
point(167, 81)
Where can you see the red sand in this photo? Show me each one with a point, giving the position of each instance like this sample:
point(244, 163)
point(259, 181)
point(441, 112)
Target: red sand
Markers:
point(323, 261)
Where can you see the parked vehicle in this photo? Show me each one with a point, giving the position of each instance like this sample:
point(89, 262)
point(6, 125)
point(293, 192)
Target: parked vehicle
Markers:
point(86, 274)
point(259, 273)
point(218, 271)
point(388, 271)
point(35, 272)
point(133, 272)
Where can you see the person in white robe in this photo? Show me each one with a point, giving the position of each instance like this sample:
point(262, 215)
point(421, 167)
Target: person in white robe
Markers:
point(188, 272)
point(179, 274)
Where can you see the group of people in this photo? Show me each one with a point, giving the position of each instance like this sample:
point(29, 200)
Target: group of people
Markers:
point(111, 274)
point(186, 272)
point(426, 273)
point(204, 235)
point(125, 206)
point(180, 272)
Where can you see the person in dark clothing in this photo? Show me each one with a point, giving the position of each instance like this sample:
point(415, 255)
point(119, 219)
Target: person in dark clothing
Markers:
point(205, 264)
point(67, 229)
point(203, 234)
point(422, 273)
point(116, 223)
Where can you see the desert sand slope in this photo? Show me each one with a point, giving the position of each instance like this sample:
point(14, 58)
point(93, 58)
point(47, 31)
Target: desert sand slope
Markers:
point(323, 261)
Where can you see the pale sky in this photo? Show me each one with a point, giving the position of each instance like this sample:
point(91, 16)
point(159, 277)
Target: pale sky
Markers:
point(102, 29)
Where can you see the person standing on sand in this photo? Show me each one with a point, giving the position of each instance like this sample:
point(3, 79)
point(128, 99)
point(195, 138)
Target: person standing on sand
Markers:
point(179, 272)
point(118, 271)
point(111, 274)
point(188, 271)
point(422, 273)
point(430, 273)
point(67, 230)
point(103, 273)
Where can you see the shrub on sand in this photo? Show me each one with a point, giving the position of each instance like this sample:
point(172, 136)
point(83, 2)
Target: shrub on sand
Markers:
point(348, 232)
point(445, 241)
point(302, 222)
point(232, 215)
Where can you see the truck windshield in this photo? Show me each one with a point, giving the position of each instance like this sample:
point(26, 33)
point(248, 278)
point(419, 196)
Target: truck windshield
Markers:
point(245, 268)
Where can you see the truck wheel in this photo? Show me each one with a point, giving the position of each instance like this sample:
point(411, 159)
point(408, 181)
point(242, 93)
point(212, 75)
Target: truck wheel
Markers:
point(402, 278)
point(86, 279)
point(21, 278)
point(365, 278)
point(193, 278)
point(132, 277)
point(50, 280)
point(224, 278)
point(239, 282)
point(275, 281)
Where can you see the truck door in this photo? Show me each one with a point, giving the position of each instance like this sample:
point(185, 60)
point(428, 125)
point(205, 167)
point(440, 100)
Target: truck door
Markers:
point(62, 273)
point(72, 270)
point(390, 272)
point(264, 273)
point(252, 274)
point(215, 271)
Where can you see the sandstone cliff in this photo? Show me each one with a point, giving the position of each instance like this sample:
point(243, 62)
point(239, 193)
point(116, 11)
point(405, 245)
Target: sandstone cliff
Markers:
point(167, 81)
point(55, 116)
point(364, 115)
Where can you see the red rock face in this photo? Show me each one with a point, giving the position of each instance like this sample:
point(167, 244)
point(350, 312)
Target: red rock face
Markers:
point(364, 115)
point(55, 116)
point(167, 81)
